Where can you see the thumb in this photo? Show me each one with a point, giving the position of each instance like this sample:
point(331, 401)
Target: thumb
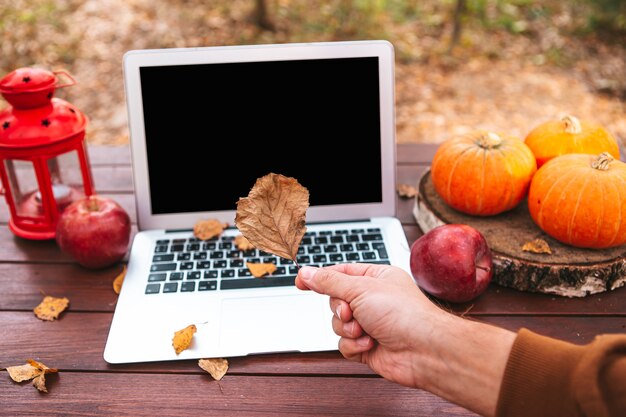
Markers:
point(331, 282)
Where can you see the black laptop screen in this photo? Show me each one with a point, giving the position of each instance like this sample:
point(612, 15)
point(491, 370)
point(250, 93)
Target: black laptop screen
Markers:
point(213, 129)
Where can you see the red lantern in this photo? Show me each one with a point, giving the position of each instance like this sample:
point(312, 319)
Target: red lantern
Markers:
point(43, 158)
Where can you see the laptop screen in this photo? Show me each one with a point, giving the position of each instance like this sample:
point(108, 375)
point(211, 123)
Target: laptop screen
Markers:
point(212, 129)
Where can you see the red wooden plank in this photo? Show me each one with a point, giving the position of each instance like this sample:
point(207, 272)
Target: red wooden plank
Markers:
point(138, 395)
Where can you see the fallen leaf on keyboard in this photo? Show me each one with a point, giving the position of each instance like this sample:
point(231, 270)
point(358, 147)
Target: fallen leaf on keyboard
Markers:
point(242, 243)
point(119, 280)
point(208, 229)
point(182, 338)
point(406, 190)
point(259, 270)
point(50, 308)
point(32, 370)
point(272, 217)
point(537, 246)
point(217, 367)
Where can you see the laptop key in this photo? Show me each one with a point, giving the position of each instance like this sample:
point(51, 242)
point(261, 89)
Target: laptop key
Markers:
point(163, 258)
point(234, 284)
point(157, 277)
point(188, 286)
point(207, 285)
point(153, 288)
point(170, 287)
point(210, 274)
point(163, 267)
point(176, 276)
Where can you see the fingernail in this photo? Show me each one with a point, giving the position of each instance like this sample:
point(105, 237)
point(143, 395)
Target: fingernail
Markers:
point(363, 340)
point(307, 272)
point(338, 311)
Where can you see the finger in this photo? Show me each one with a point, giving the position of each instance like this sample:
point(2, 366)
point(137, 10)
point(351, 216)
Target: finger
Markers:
point(353, 348)
point(331, 282)
point(341, 309)
point(359, 269)
point(351, 329)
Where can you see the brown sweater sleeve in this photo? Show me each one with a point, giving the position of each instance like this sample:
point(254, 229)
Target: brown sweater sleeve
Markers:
point(549, 377)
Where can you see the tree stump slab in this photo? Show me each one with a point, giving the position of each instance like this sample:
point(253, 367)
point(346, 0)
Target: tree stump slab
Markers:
point(568, 271)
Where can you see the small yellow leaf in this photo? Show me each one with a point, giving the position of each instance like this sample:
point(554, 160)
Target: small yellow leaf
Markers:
point(208, 229)
point(119, 280)
point(217, 367)
point(537, 246)
point(50, 308)
point(261, 269)
point(406, 191)
point(32, 370)
point(242, 243)
point(182, 338)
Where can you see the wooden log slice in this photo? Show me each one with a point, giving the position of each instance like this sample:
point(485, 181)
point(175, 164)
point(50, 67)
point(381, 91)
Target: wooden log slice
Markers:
point(568, 271)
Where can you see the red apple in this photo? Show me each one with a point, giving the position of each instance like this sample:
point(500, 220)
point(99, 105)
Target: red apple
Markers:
point(452, 262)
point(94, 231)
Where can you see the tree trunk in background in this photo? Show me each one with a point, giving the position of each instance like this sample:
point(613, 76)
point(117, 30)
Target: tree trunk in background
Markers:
point(456, 28)
point(261, 17)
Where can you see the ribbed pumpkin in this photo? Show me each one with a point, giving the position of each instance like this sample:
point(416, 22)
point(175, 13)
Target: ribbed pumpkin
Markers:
point(483, 173)
point(569, 135)
point(580, 200)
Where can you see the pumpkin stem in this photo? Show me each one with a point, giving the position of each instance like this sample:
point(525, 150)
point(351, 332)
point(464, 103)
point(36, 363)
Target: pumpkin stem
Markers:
point(489, 140)
point(572, 124)
point(602, 161)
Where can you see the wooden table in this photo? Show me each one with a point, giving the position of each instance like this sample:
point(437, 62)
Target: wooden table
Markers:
point(317, 384)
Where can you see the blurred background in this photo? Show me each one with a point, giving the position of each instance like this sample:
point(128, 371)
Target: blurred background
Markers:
point(503, 65)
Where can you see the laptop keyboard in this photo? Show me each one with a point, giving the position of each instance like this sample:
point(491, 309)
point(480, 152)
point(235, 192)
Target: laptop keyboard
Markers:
point(190, 264)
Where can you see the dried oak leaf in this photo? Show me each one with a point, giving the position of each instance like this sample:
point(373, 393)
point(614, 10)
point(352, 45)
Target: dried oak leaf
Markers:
point(51, 307)
point(261, 269)
point(537, 246)
point(119, 280)
point(208, 229)
point(31, 370)
point(242, 243)
point(272, 217)
point(406, 190)
point(217, 367)
point(182, 338)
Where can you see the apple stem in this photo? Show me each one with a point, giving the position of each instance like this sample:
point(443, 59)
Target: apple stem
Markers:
point(483, 268)
point(92, 205)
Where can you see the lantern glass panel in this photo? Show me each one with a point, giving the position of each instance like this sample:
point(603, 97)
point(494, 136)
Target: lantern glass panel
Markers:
point(24, 188)
point(66, 178)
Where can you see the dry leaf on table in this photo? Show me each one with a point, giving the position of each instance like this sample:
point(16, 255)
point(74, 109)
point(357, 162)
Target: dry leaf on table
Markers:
point(208, 229)
point(537, 246)
point(50, 308)
point(217, 367)
point(182, 338)
point(31, 370)
point(406, 190)
point(272, 217)
point(119, 280)
point(242, 243)
point(261, 269)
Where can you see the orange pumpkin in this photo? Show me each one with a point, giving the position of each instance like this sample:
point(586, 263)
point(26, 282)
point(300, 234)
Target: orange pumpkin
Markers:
point(569, 135)
point(580, 200)
point(483, 173)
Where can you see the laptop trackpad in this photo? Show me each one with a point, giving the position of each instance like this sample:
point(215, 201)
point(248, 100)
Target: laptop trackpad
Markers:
point(277, 324)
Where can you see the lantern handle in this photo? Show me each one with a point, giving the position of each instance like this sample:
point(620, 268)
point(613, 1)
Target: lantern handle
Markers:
point(72, 81)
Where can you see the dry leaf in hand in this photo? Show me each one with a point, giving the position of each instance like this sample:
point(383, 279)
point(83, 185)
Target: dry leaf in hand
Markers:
point(537, 246)
point(272, 217)
point(50, 308)
point(119, 280)
point(242, 243)
point(406, 190)
point(32, 370)
point(208, 229)
point(182, 338)
point(261, 269)
point(217, 367)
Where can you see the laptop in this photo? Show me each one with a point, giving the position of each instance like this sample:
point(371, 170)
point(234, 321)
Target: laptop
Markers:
point(205, 124)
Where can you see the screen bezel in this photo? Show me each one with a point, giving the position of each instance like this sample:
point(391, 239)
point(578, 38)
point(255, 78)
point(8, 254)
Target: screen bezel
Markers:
point(134, 60)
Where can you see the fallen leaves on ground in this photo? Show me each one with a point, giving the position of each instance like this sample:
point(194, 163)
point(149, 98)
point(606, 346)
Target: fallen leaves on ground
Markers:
point(208, 229)
point(406, 191)
point(50, 308)
point(31, 370)
point(182, 338)
point(217, 367)
point(272, 217)
point(242, 243)
point(537, 246)
point(119, 281)
point(261, 269)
